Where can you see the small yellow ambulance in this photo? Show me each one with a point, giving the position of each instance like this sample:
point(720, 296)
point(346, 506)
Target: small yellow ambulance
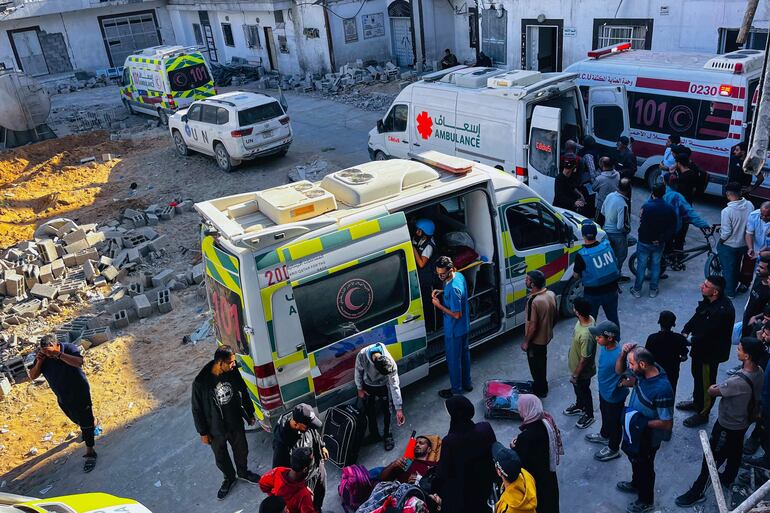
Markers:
point(162, 79)
point(81, 503)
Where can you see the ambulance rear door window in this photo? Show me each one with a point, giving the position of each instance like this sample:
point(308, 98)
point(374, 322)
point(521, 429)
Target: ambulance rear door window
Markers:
point(353, 300)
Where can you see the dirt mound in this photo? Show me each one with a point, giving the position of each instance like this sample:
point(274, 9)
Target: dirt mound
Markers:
point(47, 180)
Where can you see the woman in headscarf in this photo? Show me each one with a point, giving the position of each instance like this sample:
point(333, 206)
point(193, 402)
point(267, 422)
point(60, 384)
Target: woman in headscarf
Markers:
point(465, 473)
point(539, 447)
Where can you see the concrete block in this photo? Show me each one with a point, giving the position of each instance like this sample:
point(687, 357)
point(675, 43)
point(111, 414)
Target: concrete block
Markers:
point(2, 287)
point(160, 242)
point(164, 301)
point(166, 213)
point(90, 271)
point(83, 343)
point(74, 236)
point(185, 206)
point(65, 228)
point(135, 288)
point(117, 294)
point(70, 260)
point(104, 261)
point(130, 212)
point(98, 336)
point(133, 240)
point(152, 220)
point(14, 285)
point(120, 259)
point(100, 281)
point(46, 274)
point(120, 319)
point(76, 246)
point(47, 249)
point(134, 255)
point(44, 291)
point(199, 273)
point(146, 278)
point(109, 273)
point(143, 306)
point(146, 232)
point(57, 268)
point(162, 278)
point(95, 238)
point(138, 220)
point(87, 254)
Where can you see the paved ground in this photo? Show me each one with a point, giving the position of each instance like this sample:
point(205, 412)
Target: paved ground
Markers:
point(160, 461)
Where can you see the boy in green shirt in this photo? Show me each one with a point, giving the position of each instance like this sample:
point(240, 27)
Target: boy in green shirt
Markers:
point(582, 364)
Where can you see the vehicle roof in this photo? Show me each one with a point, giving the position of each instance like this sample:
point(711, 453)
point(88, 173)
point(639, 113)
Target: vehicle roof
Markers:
point(164, 51)
point(515, 91)
point(683, 61)
point(240, 99)
point(238, 219)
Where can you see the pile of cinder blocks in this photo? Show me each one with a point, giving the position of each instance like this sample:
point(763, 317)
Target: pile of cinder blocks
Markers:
point(349, 75)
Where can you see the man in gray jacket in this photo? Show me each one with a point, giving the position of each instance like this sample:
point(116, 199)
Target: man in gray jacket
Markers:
point(617, 222)
point(376, 378)
point(732, 241)
point(606, 182)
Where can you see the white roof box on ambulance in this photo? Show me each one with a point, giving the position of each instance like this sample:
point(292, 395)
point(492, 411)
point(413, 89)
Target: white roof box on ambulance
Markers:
point(515, 120)
point(706, 99)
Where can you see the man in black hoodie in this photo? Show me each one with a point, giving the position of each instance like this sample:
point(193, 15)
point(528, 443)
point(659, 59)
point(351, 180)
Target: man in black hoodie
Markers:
point(220, 404)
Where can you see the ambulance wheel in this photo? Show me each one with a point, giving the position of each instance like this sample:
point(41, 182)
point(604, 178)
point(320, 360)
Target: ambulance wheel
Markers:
point(572, 291)
point(224, 161)
point(128, 107)
point(163, 116)
point(179, 145)
point(378, 155)
point(652, 176)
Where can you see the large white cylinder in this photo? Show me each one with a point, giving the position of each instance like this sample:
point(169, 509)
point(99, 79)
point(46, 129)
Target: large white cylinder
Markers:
point(24, 103)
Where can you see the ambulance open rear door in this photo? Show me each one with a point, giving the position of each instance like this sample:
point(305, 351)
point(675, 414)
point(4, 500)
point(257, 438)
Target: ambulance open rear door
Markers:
point(543, 161)
point(608, 114)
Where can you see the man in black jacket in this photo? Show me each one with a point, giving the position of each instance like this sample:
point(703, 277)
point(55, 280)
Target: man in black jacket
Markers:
point(301, 427)
point(711, 328)
point(220, 404)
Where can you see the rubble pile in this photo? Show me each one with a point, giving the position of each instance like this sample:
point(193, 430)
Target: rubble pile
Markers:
point(76, 82)
point(114, 266)
point(239, 71)
point(348, 77)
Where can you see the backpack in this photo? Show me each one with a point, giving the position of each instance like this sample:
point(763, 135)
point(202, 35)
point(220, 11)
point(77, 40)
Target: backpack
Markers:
point(355, 487)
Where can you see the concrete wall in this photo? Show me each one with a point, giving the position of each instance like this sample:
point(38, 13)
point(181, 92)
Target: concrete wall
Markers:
point(304, 53)
point(82, 33)
point(377, 48)
point(690, 25)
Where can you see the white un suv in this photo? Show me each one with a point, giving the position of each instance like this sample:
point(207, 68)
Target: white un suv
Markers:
point(232, 127)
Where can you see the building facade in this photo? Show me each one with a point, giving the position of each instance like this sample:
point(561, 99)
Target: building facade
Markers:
point(50, 37)
point(549, 35)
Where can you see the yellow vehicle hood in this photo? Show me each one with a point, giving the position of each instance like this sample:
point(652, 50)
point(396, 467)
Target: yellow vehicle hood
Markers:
point(89, 503)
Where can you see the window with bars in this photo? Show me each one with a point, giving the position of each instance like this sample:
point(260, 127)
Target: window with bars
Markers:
point(613, 31)
point(251, 33)
point(611, 35)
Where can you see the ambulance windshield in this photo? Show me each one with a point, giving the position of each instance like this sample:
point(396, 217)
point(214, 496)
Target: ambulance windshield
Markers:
point(189, 77)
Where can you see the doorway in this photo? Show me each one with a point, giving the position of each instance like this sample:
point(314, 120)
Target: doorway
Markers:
point(270, 47)
point(29, 52)
point(208, 36)
point(541, 45)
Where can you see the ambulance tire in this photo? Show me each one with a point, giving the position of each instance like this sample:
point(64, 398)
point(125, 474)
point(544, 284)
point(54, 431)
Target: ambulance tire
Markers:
point(163, 117)
point(179, 145)
point(224, 161)
point(378, 155)
point(128, 107)
point(573, 290)
point(651, 176)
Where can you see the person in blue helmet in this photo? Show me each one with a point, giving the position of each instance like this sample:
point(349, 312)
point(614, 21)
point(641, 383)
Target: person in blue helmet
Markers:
point(424, 249)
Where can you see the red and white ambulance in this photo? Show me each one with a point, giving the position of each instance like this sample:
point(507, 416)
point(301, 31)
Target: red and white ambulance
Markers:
point(708, 100)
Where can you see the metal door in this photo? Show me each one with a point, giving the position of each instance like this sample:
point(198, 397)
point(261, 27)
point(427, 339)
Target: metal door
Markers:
point(494, 27)
point(401, 38)
point(270, 46)
point(30, 53)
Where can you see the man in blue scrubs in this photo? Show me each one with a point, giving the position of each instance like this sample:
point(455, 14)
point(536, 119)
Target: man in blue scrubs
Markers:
point(453, 303)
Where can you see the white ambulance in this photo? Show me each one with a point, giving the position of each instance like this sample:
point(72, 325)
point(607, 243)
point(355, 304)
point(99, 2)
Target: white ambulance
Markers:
point(300, 277)
point(516, 121)
point(706, 99)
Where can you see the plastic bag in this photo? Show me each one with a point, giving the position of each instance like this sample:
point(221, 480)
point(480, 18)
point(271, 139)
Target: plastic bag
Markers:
point(737, 329)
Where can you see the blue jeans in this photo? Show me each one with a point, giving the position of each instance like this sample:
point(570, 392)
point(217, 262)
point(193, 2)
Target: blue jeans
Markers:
point(608, 301)
point(730, 260)
point(458, 359)
point(648, 255)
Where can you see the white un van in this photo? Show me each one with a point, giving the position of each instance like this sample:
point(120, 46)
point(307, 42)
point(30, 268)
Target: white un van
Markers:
point(707, 99)
point(300, 277)
point(516, 121)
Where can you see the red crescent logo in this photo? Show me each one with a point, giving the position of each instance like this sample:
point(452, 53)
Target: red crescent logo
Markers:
point(349, 301)
point(364, 293)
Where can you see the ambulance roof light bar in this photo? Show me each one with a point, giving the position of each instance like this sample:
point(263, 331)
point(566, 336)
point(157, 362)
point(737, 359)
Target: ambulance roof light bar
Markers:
point(448, 163)
point(608, 50)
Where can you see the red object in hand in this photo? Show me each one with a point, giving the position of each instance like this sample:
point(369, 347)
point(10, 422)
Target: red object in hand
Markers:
point(409, 452)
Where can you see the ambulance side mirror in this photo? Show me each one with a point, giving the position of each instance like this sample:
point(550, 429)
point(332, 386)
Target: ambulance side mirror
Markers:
point(184, 118)
point(380, 126)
